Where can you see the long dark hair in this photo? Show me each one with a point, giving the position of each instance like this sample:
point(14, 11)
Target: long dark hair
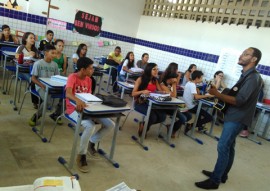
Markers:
point(24, 38)
point(170, 72)
point(80, 47)
point(217, 73)
point(130, 63)
point(190, 67)
point(147, 76)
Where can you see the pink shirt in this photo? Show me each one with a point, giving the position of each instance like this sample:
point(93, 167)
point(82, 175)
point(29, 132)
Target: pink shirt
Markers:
point(78, 86)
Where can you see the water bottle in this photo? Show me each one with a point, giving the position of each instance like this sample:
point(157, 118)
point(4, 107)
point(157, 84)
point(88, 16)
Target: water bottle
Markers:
point(20, 59)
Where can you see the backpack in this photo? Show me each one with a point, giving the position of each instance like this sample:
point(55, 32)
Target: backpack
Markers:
point(111, 100)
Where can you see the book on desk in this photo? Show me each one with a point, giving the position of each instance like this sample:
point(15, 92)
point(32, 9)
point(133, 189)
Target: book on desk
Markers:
point(59, 78)
point(48, 184)
point(87, 97)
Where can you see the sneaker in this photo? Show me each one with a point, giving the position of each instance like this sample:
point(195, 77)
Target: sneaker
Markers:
point(32, 121)
point(207, 185)
point(202, 129)
point(244, 134)
point(209, 174)
point(81, 163)
point(91, 151)
point(53, 116)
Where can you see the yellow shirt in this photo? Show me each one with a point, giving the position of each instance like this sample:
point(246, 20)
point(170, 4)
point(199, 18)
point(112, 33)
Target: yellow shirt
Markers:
point(118, 58)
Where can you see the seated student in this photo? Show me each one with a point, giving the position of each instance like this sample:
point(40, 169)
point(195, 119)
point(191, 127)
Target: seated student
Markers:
point(128, 63)
point(114, 59)
point(28, 46)
point(146, 84)
point(81, 52)
point(28, 49)
point(187, 75)
point(191, 93)
point(60, 59)
point(81, 83)
point(45, 68)
point(169, 79)
point(218, 80)
point(143, 62)
point(46, 41)
point(5, 35)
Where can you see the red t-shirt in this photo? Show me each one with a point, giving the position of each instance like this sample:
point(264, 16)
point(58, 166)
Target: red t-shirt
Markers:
point(78, 86)
point(151, 87)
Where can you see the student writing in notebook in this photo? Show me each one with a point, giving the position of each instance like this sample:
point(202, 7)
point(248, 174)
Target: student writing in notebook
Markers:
point(80, 82)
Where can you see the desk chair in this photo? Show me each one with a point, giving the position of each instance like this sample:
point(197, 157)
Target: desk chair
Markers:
point(31, 91)
point(135, 119)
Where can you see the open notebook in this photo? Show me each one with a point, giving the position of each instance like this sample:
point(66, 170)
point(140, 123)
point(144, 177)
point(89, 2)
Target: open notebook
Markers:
point(63, 183)
point(59, 78)
point(87, 97)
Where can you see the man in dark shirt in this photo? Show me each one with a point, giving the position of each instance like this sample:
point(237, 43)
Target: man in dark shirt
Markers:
point(239, 114)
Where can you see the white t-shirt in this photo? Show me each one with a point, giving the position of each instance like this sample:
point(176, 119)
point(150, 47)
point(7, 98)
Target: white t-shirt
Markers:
point(75, 55)
point(190, 90)
point(122, 72)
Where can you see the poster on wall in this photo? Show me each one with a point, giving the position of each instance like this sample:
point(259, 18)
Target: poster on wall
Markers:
point(227, 63)
point(11, 4)
point(87, 24)
point(57, 24)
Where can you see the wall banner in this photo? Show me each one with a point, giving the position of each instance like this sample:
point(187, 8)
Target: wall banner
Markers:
point(87, 24)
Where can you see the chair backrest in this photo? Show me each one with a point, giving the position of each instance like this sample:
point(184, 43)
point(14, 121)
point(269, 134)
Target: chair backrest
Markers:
point(8, 48)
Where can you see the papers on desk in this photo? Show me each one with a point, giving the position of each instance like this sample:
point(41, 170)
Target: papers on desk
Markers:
point(121, 187)
point(156, 95)
point(59, 78)
point(259, 104)
point(87, 97)
point(136, 70)
point(129, 85)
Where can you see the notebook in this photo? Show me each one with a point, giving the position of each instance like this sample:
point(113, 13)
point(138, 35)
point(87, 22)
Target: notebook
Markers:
point(63, 183)
point(87, 97)
point(59, 78)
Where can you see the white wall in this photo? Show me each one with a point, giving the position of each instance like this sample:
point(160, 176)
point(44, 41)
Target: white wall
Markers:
point(120, 16)
point(205, 37)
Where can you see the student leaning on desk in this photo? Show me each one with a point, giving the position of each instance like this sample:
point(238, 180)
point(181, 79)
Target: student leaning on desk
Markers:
point(80, 82)
point(169, 79)
point(45, 68)
point(191, 94)
point(146, 84)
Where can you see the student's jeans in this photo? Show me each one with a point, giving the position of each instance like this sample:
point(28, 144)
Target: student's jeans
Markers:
point(182, 119)
point(226, 150)
point(156, 116)
point(89, 128)
point(204, 116)
point(113, 73)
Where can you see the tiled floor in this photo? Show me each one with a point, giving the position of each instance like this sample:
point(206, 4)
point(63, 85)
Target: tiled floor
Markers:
point(23, 157)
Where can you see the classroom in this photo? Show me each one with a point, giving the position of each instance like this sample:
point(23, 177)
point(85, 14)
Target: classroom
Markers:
point(212, 45)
